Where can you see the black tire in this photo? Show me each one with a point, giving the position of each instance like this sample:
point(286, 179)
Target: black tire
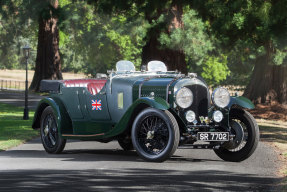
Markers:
point(155, 135)
point(250, 137)
point(51, 140)
point(126, 144)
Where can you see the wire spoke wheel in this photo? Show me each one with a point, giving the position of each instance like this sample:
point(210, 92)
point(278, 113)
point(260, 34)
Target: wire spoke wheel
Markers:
point(51, 139)
point(155, 134)
point(49, 134)
point(246, 139)
point(240, 138)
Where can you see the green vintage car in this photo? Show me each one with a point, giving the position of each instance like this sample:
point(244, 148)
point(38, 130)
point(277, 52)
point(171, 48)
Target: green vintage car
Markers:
point(153, 111)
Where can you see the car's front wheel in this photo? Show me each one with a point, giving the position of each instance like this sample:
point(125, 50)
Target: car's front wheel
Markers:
point(155, 134)
point(246, 132)
point(51, 140)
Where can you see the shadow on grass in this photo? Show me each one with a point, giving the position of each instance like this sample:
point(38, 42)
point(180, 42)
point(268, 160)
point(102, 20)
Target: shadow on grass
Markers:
point(5, 108)
point(273, 134)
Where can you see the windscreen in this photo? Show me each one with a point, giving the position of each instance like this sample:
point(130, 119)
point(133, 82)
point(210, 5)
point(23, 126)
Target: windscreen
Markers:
point(156, 66)
point(125, 66)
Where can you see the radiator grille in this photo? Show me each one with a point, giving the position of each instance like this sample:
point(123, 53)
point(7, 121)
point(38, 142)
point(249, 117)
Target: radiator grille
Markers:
point(201, 101)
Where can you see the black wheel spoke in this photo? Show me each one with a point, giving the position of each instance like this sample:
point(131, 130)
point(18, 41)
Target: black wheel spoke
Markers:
point(52, 139)
point(49, 133)
point(47, 141)
point(245, 137)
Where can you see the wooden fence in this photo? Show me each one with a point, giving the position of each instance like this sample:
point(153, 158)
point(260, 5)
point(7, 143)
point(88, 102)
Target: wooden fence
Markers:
point(12, 84)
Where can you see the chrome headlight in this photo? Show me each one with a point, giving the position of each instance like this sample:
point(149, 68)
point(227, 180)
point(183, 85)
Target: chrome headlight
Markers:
point(217, 116)
point(184, 97)
point(221, 97)
point(190, 116)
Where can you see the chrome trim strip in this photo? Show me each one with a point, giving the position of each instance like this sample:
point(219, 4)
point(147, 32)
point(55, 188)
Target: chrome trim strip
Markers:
point(167, 87)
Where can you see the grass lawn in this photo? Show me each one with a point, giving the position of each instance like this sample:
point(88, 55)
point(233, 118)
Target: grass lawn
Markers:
point(13, 129)
point(15, 79)
point(20, 75)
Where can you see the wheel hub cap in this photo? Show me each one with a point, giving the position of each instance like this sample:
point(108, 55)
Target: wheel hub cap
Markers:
point(150, 135)
point(237, 130)
point(46, 130)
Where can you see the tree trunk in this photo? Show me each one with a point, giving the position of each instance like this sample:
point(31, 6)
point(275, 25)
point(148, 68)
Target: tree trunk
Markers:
point(268, 82)
point(174, 59)
point(48, 62)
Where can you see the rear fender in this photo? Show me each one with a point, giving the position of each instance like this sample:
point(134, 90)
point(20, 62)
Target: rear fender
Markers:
point(126, 121)
point(63, 120)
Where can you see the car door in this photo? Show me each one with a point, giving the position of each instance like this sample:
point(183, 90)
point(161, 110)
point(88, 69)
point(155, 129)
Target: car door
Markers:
point(97, 106)
point(97, 119)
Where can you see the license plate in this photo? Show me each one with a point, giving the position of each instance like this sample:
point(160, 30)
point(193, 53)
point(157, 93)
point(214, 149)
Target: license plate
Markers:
point(213, 136)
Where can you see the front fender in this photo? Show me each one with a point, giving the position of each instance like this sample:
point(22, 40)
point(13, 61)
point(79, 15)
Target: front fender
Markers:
point(140, 104)
point(155, 102)
point(241, 101)
point(63, 119)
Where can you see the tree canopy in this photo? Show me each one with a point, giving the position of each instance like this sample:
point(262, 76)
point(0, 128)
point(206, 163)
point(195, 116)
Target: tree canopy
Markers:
point(232, 42)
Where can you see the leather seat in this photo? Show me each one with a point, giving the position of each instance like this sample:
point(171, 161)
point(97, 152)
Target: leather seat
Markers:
point(95, 88)
point(93, 85)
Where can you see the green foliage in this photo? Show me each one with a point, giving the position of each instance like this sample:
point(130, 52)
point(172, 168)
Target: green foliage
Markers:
point(246, 30)
point(197, 45)
point(279, 57)
point(97, 41)
point(191, 38)
point(215, 69)
point(238, 20)
point(16, 30)
point(90, 42)
point(220, 39)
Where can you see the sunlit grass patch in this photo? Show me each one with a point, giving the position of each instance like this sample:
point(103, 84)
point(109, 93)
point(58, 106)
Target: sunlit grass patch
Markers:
point(13, 129)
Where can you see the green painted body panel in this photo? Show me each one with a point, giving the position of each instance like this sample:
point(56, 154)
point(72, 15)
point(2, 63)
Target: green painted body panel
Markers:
point(76, 119)
point(70, 98)
point(85, 121)
point(241, 101)
point(63, 119)
point(91, 127)
point(114, 129)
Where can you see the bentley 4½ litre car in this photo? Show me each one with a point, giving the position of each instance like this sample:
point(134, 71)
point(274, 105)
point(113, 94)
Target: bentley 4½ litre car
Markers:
point(152, 111)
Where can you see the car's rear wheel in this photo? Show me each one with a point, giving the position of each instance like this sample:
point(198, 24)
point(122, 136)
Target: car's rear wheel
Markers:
point(51, 140)
point(155, 134)
point(246, 139)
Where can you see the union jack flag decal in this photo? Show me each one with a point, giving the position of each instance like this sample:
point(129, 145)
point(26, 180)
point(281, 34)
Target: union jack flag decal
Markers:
point(96, 105)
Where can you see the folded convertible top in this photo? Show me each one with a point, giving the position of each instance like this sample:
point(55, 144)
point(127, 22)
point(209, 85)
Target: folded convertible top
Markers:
point(50, 85)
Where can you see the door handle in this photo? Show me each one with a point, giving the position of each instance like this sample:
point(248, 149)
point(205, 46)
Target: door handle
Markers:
point(102, 93)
